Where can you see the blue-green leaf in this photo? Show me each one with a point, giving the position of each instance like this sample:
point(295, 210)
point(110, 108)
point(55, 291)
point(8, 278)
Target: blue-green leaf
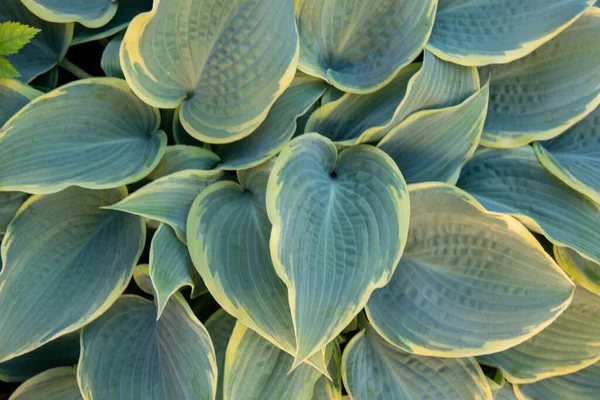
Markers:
point(66, 261)
point(482, 32)
point(257, 370)
point(90, 13)
point(45, 50)
point(469, 282)
point(171, 268)
point(339, 221)
point(514, 182)
point(569, 344)
point(96, 134)
point(14, 95)
point(9, 204)
point(127, 354)
point(110, 61)
point(574, 156)
point(358, 46)
point(180, 157)
point(220, 328)
point(433, 145)
point(543, 94)
point(63, 351)
point(230, 62)
point(581, 385)
point(580, 269)
point(331, 389)
point(367, 118)
point(54, 384)
point(373, 369)
point(168, 199)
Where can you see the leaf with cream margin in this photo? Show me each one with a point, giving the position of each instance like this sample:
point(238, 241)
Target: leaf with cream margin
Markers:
point(127, 354)
point(90, 13)
point(126, 11)
point(434, 145)
point(581, 385)
point(276, 130)
point(373, 369)
point(220, 327)
point(225, 63)
point(535, 98)
point(353, 118)
point(570, 343)
point(54, 384)
point(181, 157)
point(45, 50)
point(250, 355)
point(14, 95)
point(97, 135)
point(171, 268)
point(574, 156)
point(482, 32)
point(340, 220)
point(470, 282)
point(168, 199)
point(141, 276)
point(331, 389)
point(359, 46)
point(66, 261)
point(228, 234)
point(584, 271)
point(514, 182)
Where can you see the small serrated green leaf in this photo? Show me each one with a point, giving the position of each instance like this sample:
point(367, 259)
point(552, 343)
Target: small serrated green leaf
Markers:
point(13, 36)
point(7, 70)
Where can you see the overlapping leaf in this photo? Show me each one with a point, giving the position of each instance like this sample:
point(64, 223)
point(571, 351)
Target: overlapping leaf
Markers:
point(220, 327)
point(582, 270)
point(45, 50)
point(66, 261)
point(54, 384)
point(339, 221)
point(179, 158)
point(469, 282)
point(128, 355)
point(482, 32)
point(543, 94)
point(257, 370)
point(90, 13)
point(355, 118)
point(110, 62)
point(96, 134)
point(225, 63)
point(569, 344)
point(14, 95)
point(359, 46)
point(374, 369)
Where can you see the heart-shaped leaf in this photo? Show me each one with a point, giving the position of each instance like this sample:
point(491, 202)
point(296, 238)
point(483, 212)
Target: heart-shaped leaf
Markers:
point(54, 384)
point(233, 60)
point(90, 13)
point(339, 221)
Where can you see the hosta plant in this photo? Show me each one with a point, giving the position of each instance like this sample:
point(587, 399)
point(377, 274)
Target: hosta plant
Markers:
point(309, 199)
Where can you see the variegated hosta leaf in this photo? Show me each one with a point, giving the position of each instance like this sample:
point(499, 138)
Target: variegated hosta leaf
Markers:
point(257, 370)
point(331, 94)
point(110, 62)
point(339, 221)
point(574, 156)
point(368, 118)
point(434, 145)
point(358, 46)
point(514, 182)
point(228, 233)
point(507, 392)
point(482, 32)
point(9, 204)
point(171, 267)
point(63, 351)
point(582, 270)
point(373, 369)
point(168, 199)
point(535, 98)
point(90, 13)
point(126, 11)
point(181, 157)
point(66, 261)
point(569, 344)
point(331, 389)
point(46, 48)
point(54, 384)
point(581, 385)
point(277, 129)
point(469, 282)
point(127, 354)
point(225, 63)
point(220, 328)
point(141, 276)
point(14, 95)
point(96, 134)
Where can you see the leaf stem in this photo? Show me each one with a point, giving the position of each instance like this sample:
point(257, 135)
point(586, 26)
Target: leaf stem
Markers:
point(74, 69)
